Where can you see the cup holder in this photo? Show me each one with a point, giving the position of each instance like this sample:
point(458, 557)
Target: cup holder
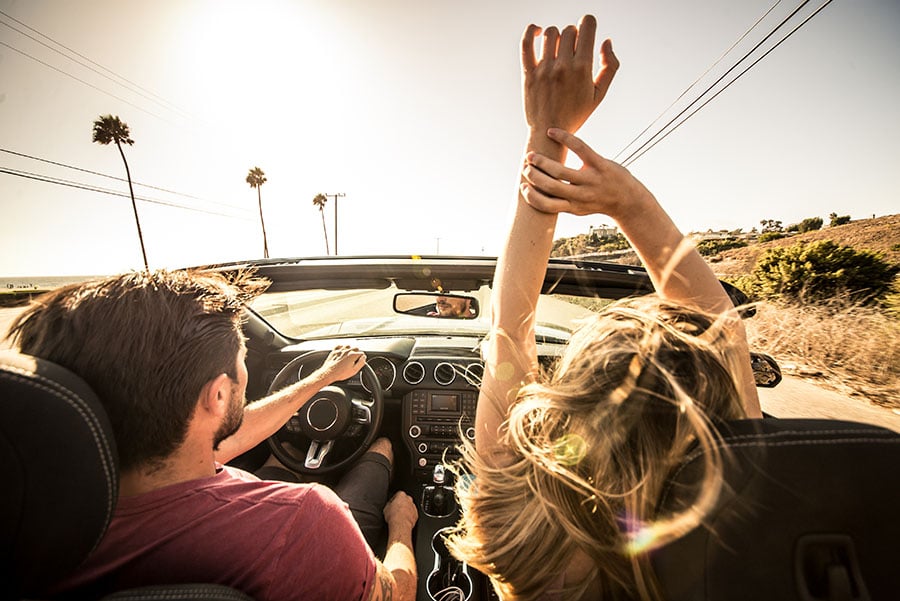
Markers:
point(449, 579)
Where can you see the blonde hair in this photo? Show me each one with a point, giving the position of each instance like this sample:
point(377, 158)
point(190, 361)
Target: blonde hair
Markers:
point(593, 442)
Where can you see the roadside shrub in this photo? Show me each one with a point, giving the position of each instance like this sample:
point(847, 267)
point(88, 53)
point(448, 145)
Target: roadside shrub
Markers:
point(810, 224)
point(714, 247)
point(769, 236)
point(856, 347)
point(891, 300)
point(839, 219)
point(818, 270)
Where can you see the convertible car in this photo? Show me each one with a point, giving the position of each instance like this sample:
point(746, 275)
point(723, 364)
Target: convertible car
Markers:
point(800, 515)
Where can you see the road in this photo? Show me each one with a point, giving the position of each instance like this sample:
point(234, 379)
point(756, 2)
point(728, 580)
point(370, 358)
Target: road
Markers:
point(793, 397)
point(796, 397)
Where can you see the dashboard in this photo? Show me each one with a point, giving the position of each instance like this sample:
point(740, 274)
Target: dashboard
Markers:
point(430, 386)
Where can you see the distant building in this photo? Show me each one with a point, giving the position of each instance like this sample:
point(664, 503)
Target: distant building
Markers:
point(603, 231)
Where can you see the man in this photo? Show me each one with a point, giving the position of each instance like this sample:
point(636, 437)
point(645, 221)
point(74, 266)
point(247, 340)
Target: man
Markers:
point(453, 307)
point(165, 353)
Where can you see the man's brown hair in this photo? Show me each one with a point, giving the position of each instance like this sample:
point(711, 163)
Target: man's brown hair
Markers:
point(146, 342)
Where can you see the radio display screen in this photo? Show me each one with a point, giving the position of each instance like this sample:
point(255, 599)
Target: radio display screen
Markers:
point(445, 402)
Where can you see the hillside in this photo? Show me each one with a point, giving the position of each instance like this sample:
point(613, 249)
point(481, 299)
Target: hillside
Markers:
point(881, 234)
point(842, 346)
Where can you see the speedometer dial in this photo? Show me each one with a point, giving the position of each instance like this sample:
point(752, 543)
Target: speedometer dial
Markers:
point(384, 371)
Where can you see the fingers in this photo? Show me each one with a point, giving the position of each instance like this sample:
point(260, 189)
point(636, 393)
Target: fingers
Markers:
point(550, 43)
point(543, 202)
point(576, 145)
point(529, 61)
point(587, 30)
point(549, 168)
point(609, 64)
point(567, 42)
point(356, 356)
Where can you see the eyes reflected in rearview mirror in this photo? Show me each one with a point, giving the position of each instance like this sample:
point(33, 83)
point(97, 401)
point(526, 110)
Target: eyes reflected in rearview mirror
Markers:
point(432, 304)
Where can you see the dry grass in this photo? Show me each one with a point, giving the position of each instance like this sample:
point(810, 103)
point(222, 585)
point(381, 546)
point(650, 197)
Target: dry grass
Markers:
point(853, 349)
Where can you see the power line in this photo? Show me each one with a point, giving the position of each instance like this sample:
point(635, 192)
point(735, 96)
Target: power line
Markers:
point(140, 90)
point(90, 85)
point(28, 156)
point(120, 179)
point(641, 151)
point(82, 186)
point(192, 121)
point(696, 81)
point(715, 83)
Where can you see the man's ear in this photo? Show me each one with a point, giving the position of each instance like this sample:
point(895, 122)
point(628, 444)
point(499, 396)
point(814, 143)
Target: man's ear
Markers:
point(215, 395)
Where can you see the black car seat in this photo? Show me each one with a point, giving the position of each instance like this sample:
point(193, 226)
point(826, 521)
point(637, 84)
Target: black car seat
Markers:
point(60, 481)
point(808, 512)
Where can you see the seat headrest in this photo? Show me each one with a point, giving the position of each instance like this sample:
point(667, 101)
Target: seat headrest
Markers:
point(60, 470)
point(804, 500)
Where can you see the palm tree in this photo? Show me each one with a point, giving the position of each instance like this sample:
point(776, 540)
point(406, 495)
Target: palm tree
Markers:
point(256, 178)
point(319, 200)
point(111, 129)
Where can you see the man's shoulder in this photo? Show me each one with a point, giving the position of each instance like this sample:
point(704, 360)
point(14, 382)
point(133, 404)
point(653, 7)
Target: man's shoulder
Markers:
point(238, 484)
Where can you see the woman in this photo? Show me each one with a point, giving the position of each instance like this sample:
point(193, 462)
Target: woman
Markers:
point(569, 466)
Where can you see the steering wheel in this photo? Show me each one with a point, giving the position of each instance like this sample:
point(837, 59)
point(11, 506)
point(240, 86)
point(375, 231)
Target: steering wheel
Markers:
point(336, 413)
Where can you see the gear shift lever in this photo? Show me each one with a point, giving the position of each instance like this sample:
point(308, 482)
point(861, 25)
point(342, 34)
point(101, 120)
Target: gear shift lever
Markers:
point(437, 498)
point(438, 475)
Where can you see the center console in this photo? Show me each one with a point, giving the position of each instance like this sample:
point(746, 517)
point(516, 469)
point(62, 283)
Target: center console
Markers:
point(442, 577)
point(433, 421)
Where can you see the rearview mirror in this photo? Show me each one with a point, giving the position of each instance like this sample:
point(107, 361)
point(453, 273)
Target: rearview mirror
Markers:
point(432, 304)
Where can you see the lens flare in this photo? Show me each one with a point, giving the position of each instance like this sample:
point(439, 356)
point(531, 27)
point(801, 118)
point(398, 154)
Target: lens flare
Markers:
point(569, 449)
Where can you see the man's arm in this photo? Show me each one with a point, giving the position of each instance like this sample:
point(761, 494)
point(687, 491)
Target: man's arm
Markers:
point(262, 418)
point(559, 90)
point(396, 575)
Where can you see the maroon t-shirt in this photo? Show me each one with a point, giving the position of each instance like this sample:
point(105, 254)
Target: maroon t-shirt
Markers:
point(271, 540)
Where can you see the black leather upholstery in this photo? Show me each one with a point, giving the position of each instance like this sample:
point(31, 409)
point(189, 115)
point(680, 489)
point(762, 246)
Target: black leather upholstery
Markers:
point(808, 512)
point(60, 482)
point(60, 471)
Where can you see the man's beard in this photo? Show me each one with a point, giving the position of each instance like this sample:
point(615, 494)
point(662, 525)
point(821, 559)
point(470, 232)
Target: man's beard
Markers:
point(233, 418)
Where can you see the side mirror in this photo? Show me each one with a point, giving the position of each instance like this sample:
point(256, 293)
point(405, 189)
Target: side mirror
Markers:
point(431, 304)
point(766, 372)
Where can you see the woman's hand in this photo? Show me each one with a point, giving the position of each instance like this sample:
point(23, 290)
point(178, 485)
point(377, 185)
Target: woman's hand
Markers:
point(599, 186)
point(559, 89)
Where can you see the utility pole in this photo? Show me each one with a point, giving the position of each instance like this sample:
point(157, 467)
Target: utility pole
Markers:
point(335, 197)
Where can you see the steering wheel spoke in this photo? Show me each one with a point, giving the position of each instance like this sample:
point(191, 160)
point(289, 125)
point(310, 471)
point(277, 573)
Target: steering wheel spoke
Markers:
point(317, 453)
point(362, 413)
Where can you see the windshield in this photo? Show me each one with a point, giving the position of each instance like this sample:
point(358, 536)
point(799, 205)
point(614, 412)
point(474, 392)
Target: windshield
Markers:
point(319, 313)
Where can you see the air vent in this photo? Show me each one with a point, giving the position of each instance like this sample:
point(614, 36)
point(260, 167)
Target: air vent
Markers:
point(413, 372)
point(444, 373)
point(474, 373)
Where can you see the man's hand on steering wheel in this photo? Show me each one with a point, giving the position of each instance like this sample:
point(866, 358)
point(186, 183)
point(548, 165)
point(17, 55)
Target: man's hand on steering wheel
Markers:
point(338, 417)
point(343, 362)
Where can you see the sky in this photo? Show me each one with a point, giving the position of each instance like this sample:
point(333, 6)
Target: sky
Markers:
point(411, 109)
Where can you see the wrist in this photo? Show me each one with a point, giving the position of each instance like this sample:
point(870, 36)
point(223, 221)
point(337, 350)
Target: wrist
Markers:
point(540, 142)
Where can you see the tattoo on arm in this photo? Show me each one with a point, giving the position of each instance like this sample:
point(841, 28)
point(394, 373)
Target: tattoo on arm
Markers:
point(387, 588)
point(383, 588)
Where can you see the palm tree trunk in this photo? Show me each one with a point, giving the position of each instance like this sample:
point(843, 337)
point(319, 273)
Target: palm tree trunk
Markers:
point(134, 207)
point(324, 231)
point(263, 223)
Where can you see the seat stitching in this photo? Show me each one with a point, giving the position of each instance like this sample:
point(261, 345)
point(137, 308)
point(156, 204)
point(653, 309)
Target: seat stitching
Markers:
point(807, 432)
point(80, 406)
